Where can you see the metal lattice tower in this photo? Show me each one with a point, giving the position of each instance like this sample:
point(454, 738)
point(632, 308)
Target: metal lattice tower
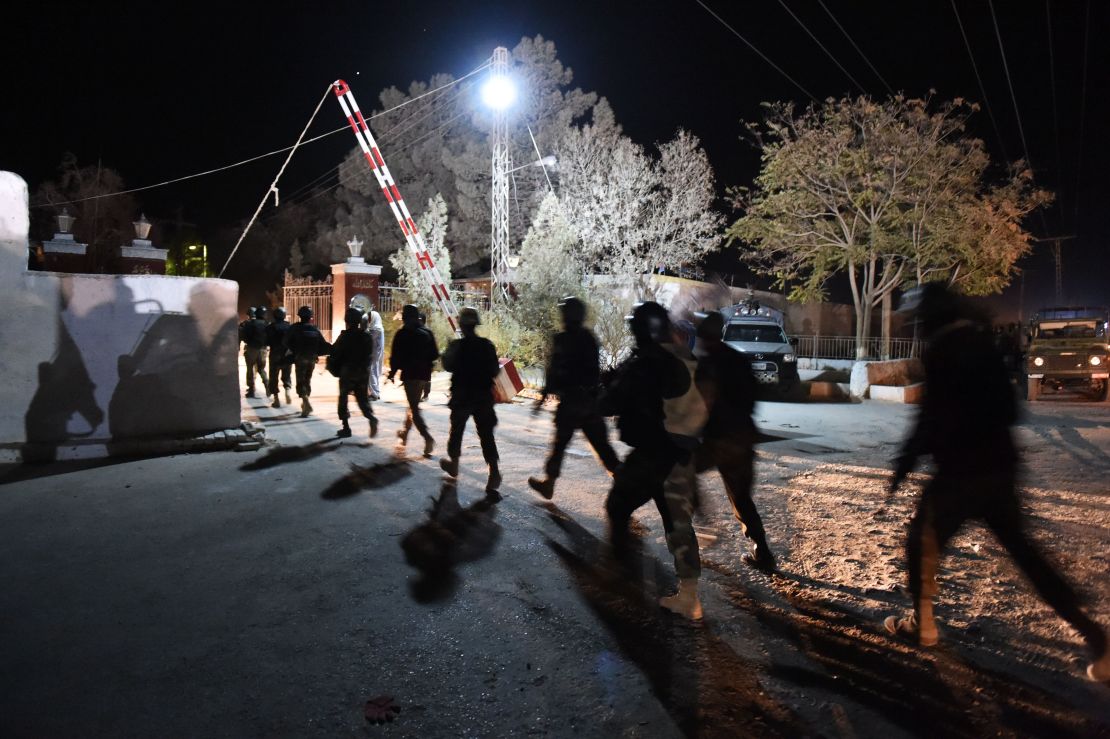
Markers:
point(499, 222)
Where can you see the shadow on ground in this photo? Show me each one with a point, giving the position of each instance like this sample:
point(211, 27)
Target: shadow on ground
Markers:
point(286, 454)
point(359, 478)
point(451, 536)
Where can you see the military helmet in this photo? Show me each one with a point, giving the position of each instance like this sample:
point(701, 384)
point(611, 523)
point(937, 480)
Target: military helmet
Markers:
point(650, 323)
point(711, 325)
point(279, 314)
point(410, 313)
point(250, 312)
point(260, 312)
point(468, 316)
point(353, 317)
point(304, 313)
point(573, 310)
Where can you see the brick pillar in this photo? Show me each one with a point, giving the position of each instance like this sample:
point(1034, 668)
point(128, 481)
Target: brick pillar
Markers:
point(141, 258)
point(63, 254)
point(352, 279)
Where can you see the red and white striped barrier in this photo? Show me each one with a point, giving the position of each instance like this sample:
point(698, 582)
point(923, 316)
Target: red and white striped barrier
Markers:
point(507, 383)
point(413, 237)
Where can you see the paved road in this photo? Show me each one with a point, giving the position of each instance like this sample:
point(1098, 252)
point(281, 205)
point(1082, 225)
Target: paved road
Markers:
point(267, 594)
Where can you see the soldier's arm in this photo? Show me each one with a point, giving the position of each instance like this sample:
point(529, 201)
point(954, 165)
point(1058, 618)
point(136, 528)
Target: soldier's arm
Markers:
point(450, 355)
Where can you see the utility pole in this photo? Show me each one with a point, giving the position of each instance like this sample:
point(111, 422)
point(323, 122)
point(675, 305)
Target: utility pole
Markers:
point(499, 222)
point(1056, 244)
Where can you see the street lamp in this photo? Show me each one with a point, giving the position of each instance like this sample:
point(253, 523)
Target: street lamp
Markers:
point(65, 221)
point(499, 92)
point(142, 227)
point(204, 256)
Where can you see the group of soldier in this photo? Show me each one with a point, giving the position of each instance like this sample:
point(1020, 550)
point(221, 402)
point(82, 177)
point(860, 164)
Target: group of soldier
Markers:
point(683, 403)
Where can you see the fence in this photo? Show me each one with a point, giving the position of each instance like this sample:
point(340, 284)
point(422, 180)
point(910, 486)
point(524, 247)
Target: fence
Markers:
point(844, 347)
point(391, 298)
point(316, 295)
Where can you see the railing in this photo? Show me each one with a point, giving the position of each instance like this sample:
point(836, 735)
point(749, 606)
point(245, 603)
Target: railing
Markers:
point(844, 347)
point(391, 298)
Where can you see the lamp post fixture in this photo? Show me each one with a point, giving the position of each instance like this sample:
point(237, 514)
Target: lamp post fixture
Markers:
point(203, 258)
point(65, 221)
point(499, 93)
point(355, 246)
point(142, 227)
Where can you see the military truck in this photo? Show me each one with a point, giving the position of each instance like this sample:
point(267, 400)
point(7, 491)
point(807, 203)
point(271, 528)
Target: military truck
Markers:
point(1068, 348)
point(757, 331)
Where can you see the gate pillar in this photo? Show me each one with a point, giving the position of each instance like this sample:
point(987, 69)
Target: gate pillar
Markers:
point(353, 280)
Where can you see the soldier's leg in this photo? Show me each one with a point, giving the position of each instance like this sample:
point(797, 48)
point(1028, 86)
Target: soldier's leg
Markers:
point(485, 418)
point(1005, 519)
point(736, 463)
point(263, 356)
point(362, 397)
point(597, 433)
point(564, 431)
point(940, 513)
point(459, 417)
point(249, 354)
point(272, 383)
point(679, 494)
point(636, 482)
point(414, 391)
point(345, 389)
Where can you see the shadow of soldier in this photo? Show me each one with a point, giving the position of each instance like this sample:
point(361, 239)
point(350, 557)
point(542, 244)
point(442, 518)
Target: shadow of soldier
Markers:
point(452, 535)
point(180, 376)
point(64, 389)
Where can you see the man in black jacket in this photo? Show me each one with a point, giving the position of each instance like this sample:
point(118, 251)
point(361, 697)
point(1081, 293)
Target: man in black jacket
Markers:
point(657, 378)
point(412, 354)
point(964, 422)
point(350, 362)
point(281, 364)
point(252, 332)
point(573, 374)
point(305, 342)
point(472, 362)
point(725, 379)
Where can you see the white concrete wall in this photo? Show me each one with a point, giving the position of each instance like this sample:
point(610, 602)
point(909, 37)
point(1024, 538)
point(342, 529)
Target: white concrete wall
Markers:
point(95, 358)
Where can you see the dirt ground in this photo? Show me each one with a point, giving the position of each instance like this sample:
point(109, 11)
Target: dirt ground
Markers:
point(268, 593)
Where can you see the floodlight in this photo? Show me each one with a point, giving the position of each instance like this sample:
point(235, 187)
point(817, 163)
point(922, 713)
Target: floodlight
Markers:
point(499, 92)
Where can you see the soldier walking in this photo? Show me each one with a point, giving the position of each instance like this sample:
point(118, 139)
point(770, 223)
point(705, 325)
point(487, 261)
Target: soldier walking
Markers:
point(412, 354)
point(659, 414)
point(964, 422)
point(281, 363)
point(472, 362)
point(305, 342)
point(573, 374)
point(350, 362)
point(252, 332)
point(725, 380)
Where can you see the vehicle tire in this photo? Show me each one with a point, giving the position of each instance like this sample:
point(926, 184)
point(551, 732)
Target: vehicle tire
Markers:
point(1102, 393)
point(1032, 388)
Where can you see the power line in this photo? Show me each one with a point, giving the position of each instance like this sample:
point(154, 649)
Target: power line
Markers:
point(1010, 84)
point(856, 46)
point(267, 154)
point(761, 55)
point(979, 80)
point(822, 46)
point(1082, 110)
point(1055, 113)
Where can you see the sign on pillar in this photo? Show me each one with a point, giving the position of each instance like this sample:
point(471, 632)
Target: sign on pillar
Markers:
point(352, 280)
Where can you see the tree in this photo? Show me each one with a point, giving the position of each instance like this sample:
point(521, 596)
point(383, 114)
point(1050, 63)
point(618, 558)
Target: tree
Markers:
point(635, 212)
point(885, 191)
point(433, 225)
point(104, 223)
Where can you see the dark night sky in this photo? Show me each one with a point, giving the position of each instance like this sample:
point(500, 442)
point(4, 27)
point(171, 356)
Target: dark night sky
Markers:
point(163, 90)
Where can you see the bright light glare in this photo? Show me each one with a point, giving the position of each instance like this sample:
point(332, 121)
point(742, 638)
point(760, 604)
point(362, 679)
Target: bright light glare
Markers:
point(499, 92)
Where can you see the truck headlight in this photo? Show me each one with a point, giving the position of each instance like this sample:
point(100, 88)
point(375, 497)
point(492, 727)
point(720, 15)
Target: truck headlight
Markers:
point(1095, 361)
point(788, 357)
point(1038, 361)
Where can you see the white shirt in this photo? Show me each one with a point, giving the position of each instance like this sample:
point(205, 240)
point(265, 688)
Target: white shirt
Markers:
point(376, 321)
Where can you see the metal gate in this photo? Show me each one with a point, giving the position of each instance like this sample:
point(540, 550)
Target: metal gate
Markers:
point(299, 291)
